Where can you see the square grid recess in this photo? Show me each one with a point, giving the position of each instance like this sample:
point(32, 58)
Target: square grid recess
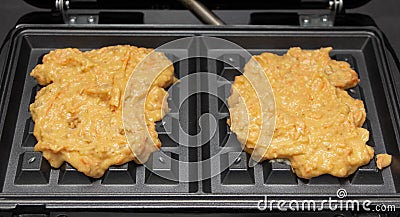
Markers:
point(29, 172)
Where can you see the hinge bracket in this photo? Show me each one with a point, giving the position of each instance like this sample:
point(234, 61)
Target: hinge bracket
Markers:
point(321, 19)
point(69, 17)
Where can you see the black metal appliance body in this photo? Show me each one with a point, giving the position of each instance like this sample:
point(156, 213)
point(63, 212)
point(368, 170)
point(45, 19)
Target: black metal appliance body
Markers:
point(35, 187)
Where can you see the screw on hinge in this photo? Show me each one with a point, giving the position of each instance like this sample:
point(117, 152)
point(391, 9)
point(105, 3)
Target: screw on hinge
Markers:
point(91, 19)
point(324, 18)
point(306, 20)
point(72, 19)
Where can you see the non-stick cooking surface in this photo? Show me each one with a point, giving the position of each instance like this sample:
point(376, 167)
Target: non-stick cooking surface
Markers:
point(27, 172)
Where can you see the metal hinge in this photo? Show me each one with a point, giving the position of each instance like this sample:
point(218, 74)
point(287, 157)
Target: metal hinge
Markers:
point(322, 19)
point(71, 17)
point(315, 18)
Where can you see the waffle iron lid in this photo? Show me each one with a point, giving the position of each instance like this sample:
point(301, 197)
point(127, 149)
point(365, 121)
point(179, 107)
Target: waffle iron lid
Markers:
point(212, 4)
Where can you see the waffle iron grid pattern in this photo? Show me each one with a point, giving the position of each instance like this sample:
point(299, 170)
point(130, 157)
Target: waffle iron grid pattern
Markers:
point(275, 177)
point(28, 171)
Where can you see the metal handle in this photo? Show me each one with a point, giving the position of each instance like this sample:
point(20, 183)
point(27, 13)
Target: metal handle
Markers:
point(202, 12)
